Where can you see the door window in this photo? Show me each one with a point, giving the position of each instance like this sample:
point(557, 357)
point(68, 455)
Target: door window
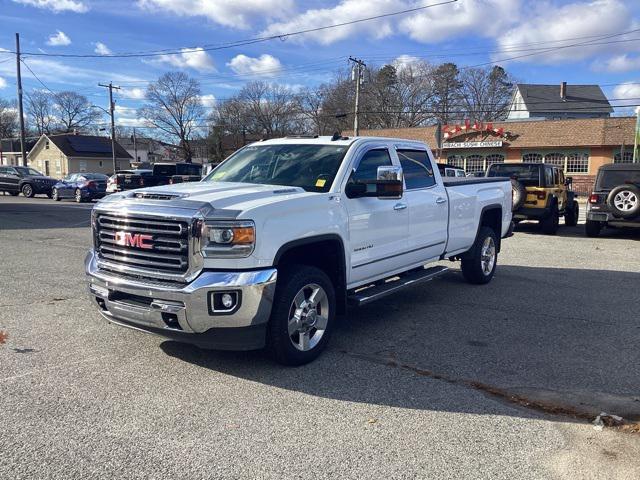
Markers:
point(417, 169)
point(3, 170)
point(368, 167)
point(548, 176)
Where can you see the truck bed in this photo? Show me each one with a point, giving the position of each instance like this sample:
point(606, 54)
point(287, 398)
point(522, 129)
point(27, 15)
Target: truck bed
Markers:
point(458, 181)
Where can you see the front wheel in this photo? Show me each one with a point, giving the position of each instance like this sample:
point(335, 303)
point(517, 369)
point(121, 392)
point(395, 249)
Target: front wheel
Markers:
point(27, 191)
point(592, 228)
point(303, 315)
point(479, 263)
point(78, 196)
point(55, 195)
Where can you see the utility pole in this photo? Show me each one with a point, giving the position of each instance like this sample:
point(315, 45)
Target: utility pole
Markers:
point(357, 75)
point(113, 125)
point(20, 111)
point(135, 145)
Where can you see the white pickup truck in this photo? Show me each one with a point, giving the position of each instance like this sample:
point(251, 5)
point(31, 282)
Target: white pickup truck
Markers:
point(284, 235)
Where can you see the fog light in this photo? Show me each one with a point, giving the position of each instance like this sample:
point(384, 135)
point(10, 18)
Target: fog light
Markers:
point(227, 300)
point(224, 303)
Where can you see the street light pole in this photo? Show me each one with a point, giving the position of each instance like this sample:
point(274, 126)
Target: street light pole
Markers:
point(113, 125)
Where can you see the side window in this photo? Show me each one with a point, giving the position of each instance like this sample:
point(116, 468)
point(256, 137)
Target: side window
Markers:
point(548, 176)
point(561, 177)
point(3, 170)
point(12, 171)
point(417, 169)
point(368, 167)
point(556, 177)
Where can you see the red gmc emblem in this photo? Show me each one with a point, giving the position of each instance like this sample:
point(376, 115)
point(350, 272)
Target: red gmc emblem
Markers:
point(139, 240)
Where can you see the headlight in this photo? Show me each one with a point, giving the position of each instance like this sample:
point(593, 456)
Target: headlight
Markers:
point(228, 238)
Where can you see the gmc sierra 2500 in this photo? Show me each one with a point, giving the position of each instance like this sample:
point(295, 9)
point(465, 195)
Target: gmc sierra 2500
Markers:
point(283, 235)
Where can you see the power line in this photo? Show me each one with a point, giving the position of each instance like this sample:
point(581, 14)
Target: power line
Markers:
point(248, 41)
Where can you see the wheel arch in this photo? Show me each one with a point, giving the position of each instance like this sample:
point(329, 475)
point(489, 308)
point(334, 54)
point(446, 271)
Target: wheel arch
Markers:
point(325, 252)
point(491, 216)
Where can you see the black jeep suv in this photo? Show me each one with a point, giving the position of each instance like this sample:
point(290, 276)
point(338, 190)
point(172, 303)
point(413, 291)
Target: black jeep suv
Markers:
point(30, 182)
point(615, 200)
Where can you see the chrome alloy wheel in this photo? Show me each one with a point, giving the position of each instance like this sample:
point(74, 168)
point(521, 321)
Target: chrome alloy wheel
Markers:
point(488, 256)
point(308, 317)
point(625, 200)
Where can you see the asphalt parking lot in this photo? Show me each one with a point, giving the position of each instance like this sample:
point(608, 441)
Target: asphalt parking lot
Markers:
point(446, 380)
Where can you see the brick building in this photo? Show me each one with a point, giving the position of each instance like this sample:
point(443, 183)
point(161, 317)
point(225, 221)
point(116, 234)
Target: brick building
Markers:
point(579, 146)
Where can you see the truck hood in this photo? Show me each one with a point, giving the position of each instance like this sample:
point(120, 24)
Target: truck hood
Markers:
point(219, 195)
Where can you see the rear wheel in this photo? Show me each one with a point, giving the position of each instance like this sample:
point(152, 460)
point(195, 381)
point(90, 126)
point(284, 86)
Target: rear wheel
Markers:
point(55, 195)
point(592, 228)
point(550, 223)
point(78, 196)
point(303, 315)
point(625, 201)
point(27, 191)
point(479, 263)
point(571, 215)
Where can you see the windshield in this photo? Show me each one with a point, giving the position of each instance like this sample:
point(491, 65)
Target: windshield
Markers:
point(609, 179)
point(521, 172)
point(312, 167)
point(27, 171)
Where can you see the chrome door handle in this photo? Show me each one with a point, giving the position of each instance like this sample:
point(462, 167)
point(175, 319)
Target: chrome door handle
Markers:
point(441, 200)
point(400, 206)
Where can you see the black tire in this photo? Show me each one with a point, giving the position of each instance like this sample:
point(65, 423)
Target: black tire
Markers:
point(50, 194)
point(291, 281)
point(572, 215)
point(78, 196)
point(55, 195)
point(550, 223)
point(473, 268)
point(518, 194)
point(27, 190)
point(592, 228)
point(630, 196)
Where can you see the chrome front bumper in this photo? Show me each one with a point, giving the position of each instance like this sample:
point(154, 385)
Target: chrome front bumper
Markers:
point(184, 311)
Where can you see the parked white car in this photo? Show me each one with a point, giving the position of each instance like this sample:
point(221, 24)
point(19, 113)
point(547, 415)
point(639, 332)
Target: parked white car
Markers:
point(283, 235)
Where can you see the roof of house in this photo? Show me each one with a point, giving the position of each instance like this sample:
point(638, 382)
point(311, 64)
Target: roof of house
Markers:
point(578, 98)
point(87, 146)
point(585, 132)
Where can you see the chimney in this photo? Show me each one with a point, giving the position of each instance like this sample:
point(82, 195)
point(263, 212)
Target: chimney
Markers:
point(563, 91)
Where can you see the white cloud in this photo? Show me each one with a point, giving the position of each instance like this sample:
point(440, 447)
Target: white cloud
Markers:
point(59, 39)
point(130, 122)
point(102, 49)
point(230, 13)
point(621, 63)
point(628, 93)
point(548, 23)
point(345, 11)
point(404, 61)
point(208, 101)
point(56, 5)
point(133, 93)
point(195, 58)
point(474, 18)
point(3, 83)
point(265, 65)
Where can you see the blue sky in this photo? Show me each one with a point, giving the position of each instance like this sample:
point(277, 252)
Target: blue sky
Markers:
point(468, 32)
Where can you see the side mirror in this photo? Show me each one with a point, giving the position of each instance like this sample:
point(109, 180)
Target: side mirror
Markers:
point(568, 181)
point(388, 184)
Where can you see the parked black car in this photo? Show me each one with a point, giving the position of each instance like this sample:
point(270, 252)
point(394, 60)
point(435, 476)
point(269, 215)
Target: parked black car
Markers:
point(615, 201)
point(30, 182)
point(161, 174)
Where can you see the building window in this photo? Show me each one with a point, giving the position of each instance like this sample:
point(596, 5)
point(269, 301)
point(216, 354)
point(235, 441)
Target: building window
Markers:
point(532, 158)
point(82, 166)
point(494, 158)
point(100, 162)
point(475, 164)
point(58, 167)
point(557, 159)
point(456, 161)
point(577, 163)
point(626, 157)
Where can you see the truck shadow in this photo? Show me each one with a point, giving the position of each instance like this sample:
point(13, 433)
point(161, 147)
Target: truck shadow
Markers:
point(556, 340)
point(20, 215)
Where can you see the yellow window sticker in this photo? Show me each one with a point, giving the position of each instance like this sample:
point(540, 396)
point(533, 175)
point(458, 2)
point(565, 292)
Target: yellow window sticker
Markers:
point(320, 182)
point(217, 176)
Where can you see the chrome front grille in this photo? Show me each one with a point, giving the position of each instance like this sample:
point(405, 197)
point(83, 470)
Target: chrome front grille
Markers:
point(151, 246)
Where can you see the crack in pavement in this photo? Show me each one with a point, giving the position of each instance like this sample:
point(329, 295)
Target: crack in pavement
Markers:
point(497, 392)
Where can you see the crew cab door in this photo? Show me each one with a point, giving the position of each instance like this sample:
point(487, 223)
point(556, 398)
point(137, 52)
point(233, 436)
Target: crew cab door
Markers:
point(378, 227)
point(427, 200)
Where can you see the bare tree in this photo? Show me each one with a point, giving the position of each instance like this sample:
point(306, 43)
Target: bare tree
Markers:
point(446, 89)
point(486, 93)
point(174, 107)
point(8, 119)
point(40, 111)
point(271, 109)
point(74, 111)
